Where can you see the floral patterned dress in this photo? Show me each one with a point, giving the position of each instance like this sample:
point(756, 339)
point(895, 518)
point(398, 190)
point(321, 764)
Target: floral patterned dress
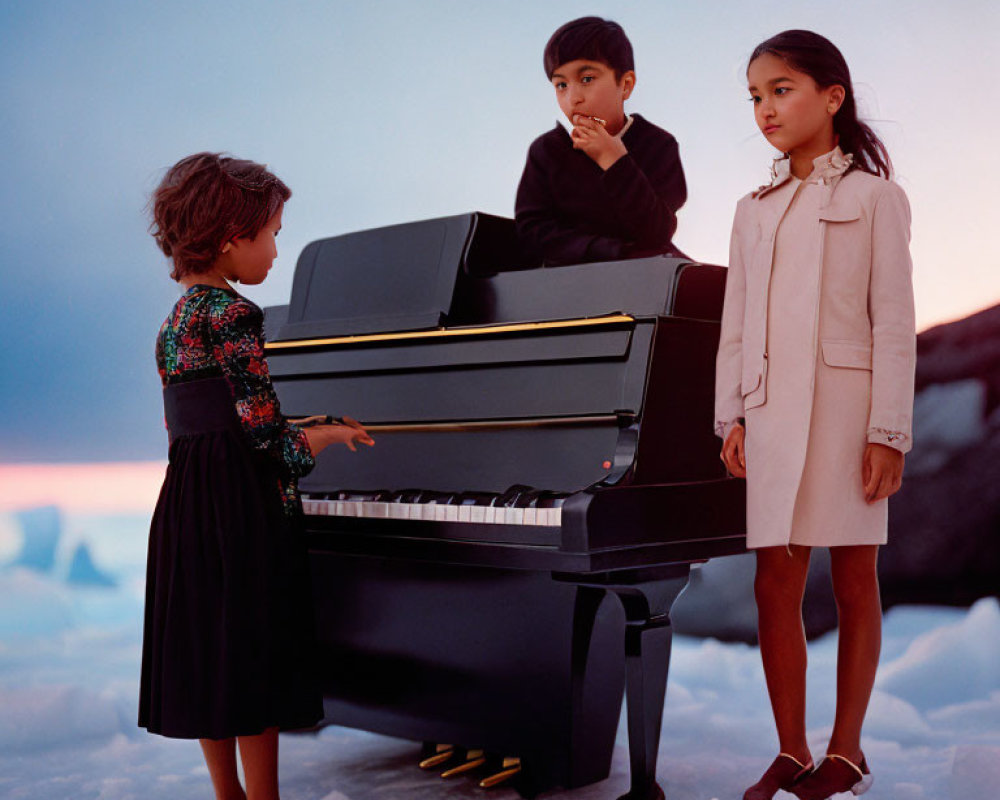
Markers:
point(228, 636)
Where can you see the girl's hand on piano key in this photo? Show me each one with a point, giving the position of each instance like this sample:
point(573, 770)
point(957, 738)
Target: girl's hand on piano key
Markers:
point(346, 420)
point(351, 434)
point(359, 433)
point(322, 436)
point(732, 452)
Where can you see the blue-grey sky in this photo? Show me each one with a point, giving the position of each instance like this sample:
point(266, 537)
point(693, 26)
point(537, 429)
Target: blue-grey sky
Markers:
point(382, 112)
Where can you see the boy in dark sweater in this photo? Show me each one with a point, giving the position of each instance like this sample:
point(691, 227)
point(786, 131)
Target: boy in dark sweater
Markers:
point(610, 188)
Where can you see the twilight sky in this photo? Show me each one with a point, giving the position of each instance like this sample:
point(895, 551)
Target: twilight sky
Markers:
point(383, 112)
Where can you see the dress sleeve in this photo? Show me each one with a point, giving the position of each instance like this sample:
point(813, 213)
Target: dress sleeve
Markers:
point(646, 200)
point(890, 308)
point(238, 347)
point(542, 235)
point(729, 361)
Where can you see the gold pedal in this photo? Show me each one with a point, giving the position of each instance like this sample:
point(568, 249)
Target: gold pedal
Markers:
point(474, 759)
point(511, 766)
point(444, 753)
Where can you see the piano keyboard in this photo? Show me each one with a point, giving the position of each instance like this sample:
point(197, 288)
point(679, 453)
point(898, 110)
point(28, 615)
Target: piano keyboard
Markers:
point(434, 512)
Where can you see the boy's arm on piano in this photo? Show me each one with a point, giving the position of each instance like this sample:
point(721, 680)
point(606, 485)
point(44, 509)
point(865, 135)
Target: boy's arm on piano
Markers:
point(646, 200)
point(549, 239)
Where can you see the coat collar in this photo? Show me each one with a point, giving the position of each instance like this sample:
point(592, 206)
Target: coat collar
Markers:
point(827, 169)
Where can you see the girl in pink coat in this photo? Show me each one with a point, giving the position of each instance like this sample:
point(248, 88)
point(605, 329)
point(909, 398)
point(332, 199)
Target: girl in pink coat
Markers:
point(814, 387)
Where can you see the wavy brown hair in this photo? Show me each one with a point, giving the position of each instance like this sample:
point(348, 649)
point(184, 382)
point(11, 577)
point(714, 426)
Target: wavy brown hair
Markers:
point(819, 58)
point(208, 199)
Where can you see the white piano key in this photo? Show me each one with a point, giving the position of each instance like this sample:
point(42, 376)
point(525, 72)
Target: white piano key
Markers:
point(490, 515)
point(515, 516)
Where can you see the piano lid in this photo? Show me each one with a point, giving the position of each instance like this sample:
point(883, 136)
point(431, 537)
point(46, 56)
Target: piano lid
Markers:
point(396, 278)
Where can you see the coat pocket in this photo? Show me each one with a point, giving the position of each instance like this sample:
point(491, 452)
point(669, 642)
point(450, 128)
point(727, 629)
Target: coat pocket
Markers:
point(846, 211)
point(856, 355)
point(754, 387)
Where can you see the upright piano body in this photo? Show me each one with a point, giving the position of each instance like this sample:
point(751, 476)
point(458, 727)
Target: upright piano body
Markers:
point(501, 564)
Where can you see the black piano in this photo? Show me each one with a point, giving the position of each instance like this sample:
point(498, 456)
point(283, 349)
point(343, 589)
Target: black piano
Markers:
point(500, 566)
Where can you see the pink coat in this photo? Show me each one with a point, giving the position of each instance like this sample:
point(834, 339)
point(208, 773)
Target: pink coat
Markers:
point(853, 370)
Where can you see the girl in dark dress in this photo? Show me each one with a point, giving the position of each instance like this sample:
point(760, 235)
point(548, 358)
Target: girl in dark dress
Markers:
point(227, 645)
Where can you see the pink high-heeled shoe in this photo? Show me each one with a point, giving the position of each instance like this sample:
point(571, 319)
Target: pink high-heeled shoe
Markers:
point(784, 773)
point(835, 774)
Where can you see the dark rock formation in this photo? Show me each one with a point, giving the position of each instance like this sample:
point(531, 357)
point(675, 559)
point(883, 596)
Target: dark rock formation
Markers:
point(966, 348)
point(944, 524)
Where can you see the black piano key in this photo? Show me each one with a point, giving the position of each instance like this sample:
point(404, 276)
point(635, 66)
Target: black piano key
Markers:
point(513, 494)
point(408, 496)
point(441, 498)
point(548, 499)
point(478, 499)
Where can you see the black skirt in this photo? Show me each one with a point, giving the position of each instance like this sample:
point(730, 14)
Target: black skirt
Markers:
point(228, 641)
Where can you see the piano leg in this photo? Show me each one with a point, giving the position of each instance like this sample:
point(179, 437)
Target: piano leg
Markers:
point(595, 706)
point(647, 657)
point(646, 598)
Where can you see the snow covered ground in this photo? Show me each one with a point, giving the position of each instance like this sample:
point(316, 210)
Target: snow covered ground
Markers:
point(70, 629)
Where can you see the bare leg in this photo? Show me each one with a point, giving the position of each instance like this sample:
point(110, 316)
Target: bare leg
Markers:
point(779, 586)
point(260, 764)
point(220, 756)
point(855, 586)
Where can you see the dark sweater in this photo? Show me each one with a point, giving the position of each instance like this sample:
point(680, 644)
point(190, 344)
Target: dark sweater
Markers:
point(570, 211)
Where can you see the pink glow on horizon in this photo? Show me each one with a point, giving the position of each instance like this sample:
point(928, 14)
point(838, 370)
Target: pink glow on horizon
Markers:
point(123, 487)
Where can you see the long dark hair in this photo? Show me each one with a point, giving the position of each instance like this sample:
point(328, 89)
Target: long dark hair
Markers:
point(819, 58)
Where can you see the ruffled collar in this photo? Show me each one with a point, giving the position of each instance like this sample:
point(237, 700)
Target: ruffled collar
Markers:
point(826, 168)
